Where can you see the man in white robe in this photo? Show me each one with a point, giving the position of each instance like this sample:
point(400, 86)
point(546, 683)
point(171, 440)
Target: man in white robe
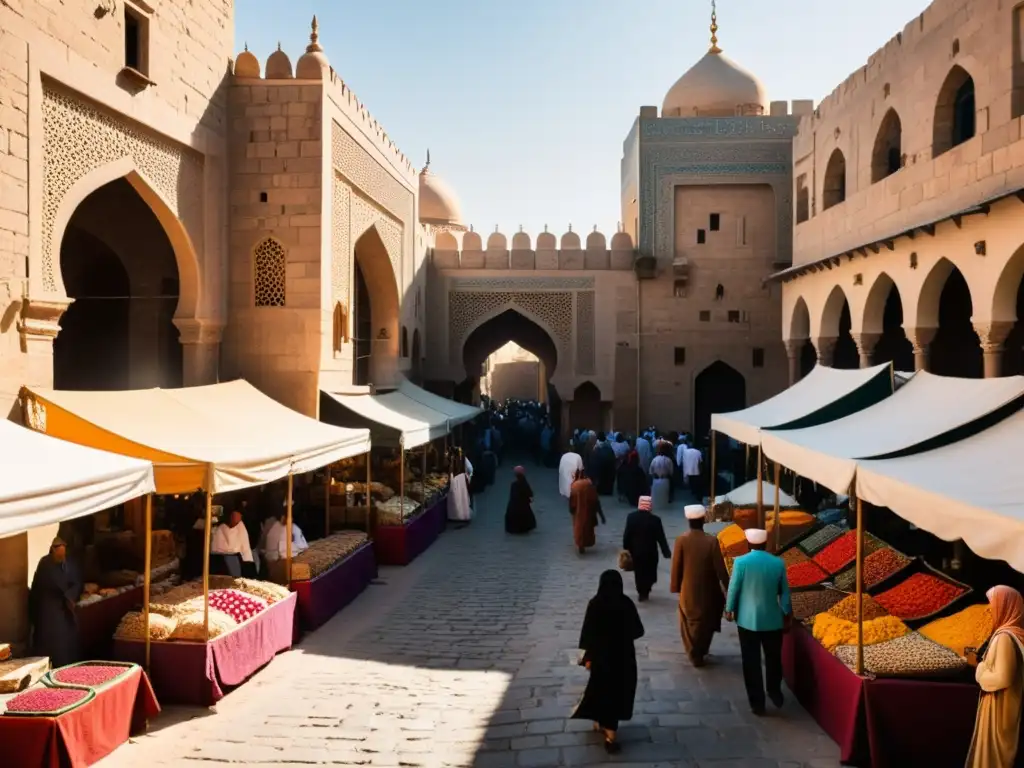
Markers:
point(570, 463)
point(232, 538)
point(277, 541)
point(645, 453)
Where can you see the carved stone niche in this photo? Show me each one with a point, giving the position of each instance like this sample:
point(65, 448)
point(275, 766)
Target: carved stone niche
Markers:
point(40, 323)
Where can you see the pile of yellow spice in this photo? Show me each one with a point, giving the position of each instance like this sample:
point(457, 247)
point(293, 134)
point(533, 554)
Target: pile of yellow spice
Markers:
point(832, 632)
point(969, 628)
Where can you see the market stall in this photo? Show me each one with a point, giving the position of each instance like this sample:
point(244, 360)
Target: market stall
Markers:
point(201, 438)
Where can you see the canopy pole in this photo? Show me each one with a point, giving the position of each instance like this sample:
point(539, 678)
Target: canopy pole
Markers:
point(760, 488)
point(289, 535)
point(714, 472)
point(206, 566)
point(860, 587)
point(423, 473)
point(327, 501)
point(147, 572)
point(401, 482)
point(778, 521)
point(746, 461)
point(369, 495)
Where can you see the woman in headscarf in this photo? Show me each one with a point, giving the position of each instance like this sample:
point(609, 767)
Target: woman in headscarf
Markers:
point(632, 480)
point(458, 492)
point(610, 628)
point(1000, 674)
point(585, 508)
point(643, 537)
point(519, 516)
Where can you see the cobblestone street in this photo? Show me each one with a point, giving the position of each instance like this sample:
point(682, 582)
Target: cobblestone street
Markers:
point(467, 658)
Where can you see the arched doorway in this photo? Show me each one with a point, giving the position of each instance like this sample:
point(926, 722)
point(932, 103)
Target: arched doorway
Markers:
point(719, 388)
point(119, 266)
point(800, 332)
point(510, 326)
point(586, 407)
point(836, 324)
point(1008, 306)
point(955, 350)
point(883, 315)
point(376, 313)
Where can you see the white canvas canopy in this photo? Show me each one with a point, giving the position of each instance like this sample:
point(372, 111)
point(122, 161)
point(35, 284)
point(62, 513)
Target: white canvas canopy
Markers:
point(457, 413)
point(923, 409)
point(393, 418)
point(44, 480)
point(971, 490)
point(822, 395)
point(746, 496)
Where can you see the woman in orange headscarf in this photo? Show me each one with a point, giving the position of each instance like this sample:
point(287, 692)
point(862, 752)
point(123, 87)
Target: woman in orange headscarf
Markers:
point(1001, 677)
point(585, 507)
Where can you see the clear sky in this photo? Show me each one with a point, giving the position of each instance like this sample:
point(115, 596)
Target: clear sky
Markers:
point(524, 105)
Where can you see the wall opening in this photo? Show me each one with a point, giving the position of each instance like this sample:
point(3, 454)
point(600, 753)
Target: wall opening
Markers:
point(513, 373)
point(1017, 100)
point(364, 330)
point(954, 121)
point(893, 345)
point(719, 388)
point(586, 407)
point(834, 191)
point(377, 313)
point(956, 351)
point(803, 200)
point(845, 355)
point(887, 154)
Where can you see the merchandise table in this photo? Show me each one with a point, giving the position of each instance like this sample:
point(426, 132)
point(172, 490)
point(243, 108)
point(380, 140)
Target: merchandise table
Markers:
point(86, 734)
point(196, 673)
point(880, 722)
point(321, 597)
point(401, 544)
point(98, 621)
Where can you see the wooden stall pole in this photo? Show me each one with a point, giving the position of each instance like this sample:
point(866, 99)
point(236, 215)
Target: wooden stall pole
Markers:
point(860, 588)
point(369, 494)
point(423, 473)
point(206, 566)
point(760, 488)
point(327, 501)
point(288, 531)
point(714, 471)
point(746, 461)
point(147, 572)
point(778, 521)
point(401, 482)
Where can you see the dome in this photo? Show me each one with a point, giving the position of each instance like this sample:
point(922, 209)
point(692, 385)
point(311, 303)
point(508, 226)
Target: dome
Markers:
point(279, 66)
point(313, 63)
point(247, 65)
point(716, 86)
point(438, 203)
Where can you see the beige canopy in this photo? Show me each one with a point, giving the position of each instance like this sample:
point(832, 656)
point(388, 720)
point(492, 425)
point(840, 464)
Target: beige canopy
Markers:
point(457, 413)
point(394, 419)
point(971, 490)
point(222, 437)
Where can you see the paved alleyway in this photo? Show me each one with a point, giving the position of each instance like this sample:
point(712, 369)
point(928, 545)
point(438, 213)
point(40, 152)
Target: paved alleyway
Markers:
point(466, 658)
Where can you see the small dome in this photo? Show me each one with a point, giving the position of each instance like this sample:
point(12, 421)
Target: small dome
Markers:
point(546, 242)
point(446, 241)
point(715, 86)
point(497, 241)
point(596, 241)
point(247, 65)
point(570, 241)
point(621, 241)
point(279, 66)
point(313, 63)
point(439, 205)
point(471, 241)
point(521, 241)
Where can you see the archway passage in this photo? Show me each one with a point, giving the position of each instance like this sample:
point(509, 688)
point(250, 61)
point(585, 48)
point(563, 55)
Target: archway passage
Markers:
point(514, 373)
point(719, 388)
point(893, 345)
point(1011, 283)
point(118, 265)
point(800, 331)
point(377, 336)
point(836, 324)
point(586, 407)
point(508, 326)
point(956, 351)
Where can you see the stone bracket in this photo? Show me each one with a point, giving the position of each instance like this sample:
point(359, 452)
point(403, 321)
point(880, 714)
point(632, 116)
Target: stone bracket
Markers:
point(194, 330)
point(993, 334)
point(39, 323)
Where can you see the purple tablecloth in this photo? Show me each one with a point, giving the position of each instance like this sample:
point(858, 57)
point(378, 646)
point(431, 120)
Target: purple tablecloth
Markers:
point(320, 598)
point(197, 673)
point(401, 544)
point(98, 621)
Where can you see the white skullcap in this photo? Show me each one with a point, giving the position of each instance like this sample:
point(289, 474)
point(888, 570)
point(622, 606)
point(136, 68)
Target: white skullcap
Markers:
point(756, 535)
point(694, 511)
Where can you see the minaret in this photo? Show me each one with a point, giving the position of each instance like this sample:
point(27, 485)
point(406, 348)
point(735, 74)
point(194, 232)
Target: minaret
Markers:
point(714, 29)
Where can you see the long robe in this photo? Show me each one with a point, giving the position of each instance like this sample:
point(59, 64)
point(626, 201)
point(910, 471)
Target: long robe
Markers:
point(519, 517)
point(458, 499)
point(585, 507)
point(632, 482)
point(643, 537)
point(570, 463)
point(997, 727)
point(55, 589)
point(601, 469)
point(700, 579)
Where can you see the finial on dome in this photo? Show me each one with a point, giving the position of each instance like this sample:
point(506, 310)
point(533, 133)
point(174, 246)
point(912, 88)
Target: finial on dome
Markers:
point(246, 46)
point(570, 226)
point(314, 37)
point(520, 228)
point(595, 227)
point(427, 166)
point(545, 229)
point(471, 228)
point(495, 229)
point(714, 29)
point(279, 45)
point(618, 226)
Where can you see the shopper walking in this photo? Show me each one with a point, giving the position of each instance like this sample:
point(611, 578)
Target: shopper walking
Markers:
point(643, 537)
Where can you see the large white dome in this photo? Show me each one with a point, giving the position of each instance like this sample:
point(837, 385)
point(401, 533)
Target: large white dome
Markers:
point(716, 86)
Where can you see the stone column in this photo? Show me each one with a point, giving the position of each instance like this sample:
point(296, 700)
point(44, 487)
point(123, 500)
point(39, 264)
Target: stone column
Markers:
point(566, 425)
point(200, 350)
point(866, 343)
point(826, 348)
point(920, 339)
point(992, 335)
point(793, 349)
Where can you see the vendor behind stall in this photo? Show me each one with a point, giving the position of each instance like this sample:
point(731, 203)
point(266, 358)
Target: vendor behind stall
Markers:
point(56, 587)
point(231, 548)
point(277, 539)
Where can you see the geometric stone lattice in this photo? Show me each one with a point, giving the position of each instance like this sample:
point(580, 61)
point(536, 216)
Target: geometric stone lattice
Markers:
point(466, 309)
point(586, 352)
point(367, 174)
point(79, 137)
point(268, 273)
point(364, 215)
point(341, 246)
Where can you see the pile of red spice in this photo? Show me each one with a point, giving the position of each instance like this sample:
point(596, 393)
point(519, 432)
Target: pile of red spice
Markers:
point(804, 574)
point(88, 675)
point(843, 551)
point(920, 595)
point(40, 701)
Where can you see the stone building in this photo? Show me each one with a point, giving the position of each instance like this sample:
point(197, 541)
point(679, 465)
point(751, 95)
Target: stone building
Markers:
point(909, 182)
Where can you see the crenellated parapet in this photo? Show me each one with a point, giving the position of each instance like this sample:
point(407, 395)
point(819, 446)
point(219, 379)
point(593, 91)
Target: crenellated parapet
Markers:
point(468, 250)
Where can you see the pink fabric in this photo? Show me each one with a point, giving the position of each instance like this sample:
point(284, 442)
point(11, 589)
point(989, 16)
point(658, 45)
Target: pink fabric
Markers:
point(238, 654)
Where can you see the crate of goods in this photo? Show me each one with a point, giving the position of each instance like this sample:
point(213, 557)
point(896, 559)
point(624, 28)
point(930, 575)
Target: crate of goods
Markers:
point(48, 702)
point(88, 674)
point(846, 609)
point(18, 674)
point(809, 603)
point(833, 632)
point(805, 574)
point(396, 511)
point(820, 539)
point(324, 553)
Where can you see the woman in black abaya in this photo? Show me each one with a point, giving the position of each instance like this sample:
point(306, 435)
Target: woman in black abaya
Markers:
point(519, 517)
point(611, 626)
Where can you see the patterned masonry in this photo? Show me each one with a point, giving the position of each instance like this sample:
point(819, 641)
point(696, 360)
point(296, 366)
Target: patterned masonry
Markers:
point(268, 267)
point(467, 310)
point(586, 352)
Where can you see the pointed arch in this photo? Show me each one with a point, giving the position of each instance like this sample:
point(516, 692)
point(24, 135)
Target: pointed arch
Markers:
point(887, 153)
point(509, 323)
point(719, 388)
point(927, 311)
point(834, 191)
point(800, 320)
point(831, 313)
point(1002, 307)
point(377, 346)
point(872, 320)
point(954, 119)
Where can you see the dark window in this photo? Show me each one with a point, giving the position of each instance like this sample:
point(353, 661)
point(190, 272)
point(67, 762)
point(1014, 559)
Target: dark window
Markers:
point(701, 236)
point(705, 316)
point(132, 41)
point(715, 223)
point(263, 197)
point(734, 315)
point(758, 357)
point(963, 113)
point(680, 355)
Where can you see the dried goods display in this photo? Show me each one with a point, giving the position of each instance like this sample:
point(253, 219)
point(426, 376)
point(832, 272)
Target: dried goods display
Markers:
point(820, 538)
point(878, 566)
point(324, 553)
point(396, 511)
point(970, 628)
point(88, 674)
point(133, 626)
point(838, 554)
point(49, 702)
point(269, 591)
point(807, 605)
point(5, 651)
point(832, 632)
point(794, 524)
point(238, 605)
point(733, 541)
point(377, 490)
point(190, 626)
point(912, 655)
point(920, 595)
point(805, 574)
point(794, 555)
point(846, 608)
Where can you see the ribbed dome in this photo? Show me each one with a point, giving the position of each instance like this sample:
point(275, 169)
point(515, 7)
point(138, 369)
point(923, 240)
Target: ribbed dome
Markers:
point(439, 205)
point(716, 86)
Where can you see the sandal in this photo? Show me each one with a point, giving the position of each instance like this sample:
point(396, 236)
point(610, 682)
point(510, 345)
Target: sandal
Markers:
point(611, 746)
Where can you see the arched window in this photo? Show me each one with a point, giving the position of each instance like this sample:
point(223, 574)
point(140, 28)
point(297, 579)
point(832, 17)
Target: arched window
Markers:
point(834, 191)
point(803, 200)
point(405, 341)
point(887, 156)
point(340, 326)
point(268, 273)
point(954, 112)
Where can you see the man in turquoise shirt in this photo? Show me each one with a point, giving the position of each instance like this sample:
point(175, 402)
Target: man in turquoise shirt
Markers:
point(759, 603)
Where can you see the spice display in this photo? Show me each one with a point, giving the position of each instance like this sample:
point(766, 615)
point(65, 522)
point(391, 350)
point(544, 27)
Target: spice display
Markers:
point(807, 605)
point(266, 590)
point(840, 553)
point(133, 626)
point(846, 608)
point(805, 574)
point(190, 626)
point(820, 538)
point(878, 566)
point(324, 553)
point(89, 675)
point(396, 511)
point(733, 541)
point(920, 595)
point(794, 524)
point(912, 655)
point(48, 701)
point(794, 555)
point(832, 632)
point(238, 605)
point(970, 628)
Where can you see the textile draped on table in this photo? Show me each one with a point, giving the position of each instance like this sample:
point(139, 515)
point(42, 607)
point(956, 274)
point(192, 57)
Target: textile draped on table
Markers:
point(585, 507)
point(56, 588)
point(519, 517)
point(458, 499)
point(698, 576)
point(643, 538)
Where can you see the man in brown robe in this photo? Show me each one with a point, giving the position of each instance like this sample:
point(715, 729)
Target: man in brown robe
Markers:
point(700, 579)
point(585, 508)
